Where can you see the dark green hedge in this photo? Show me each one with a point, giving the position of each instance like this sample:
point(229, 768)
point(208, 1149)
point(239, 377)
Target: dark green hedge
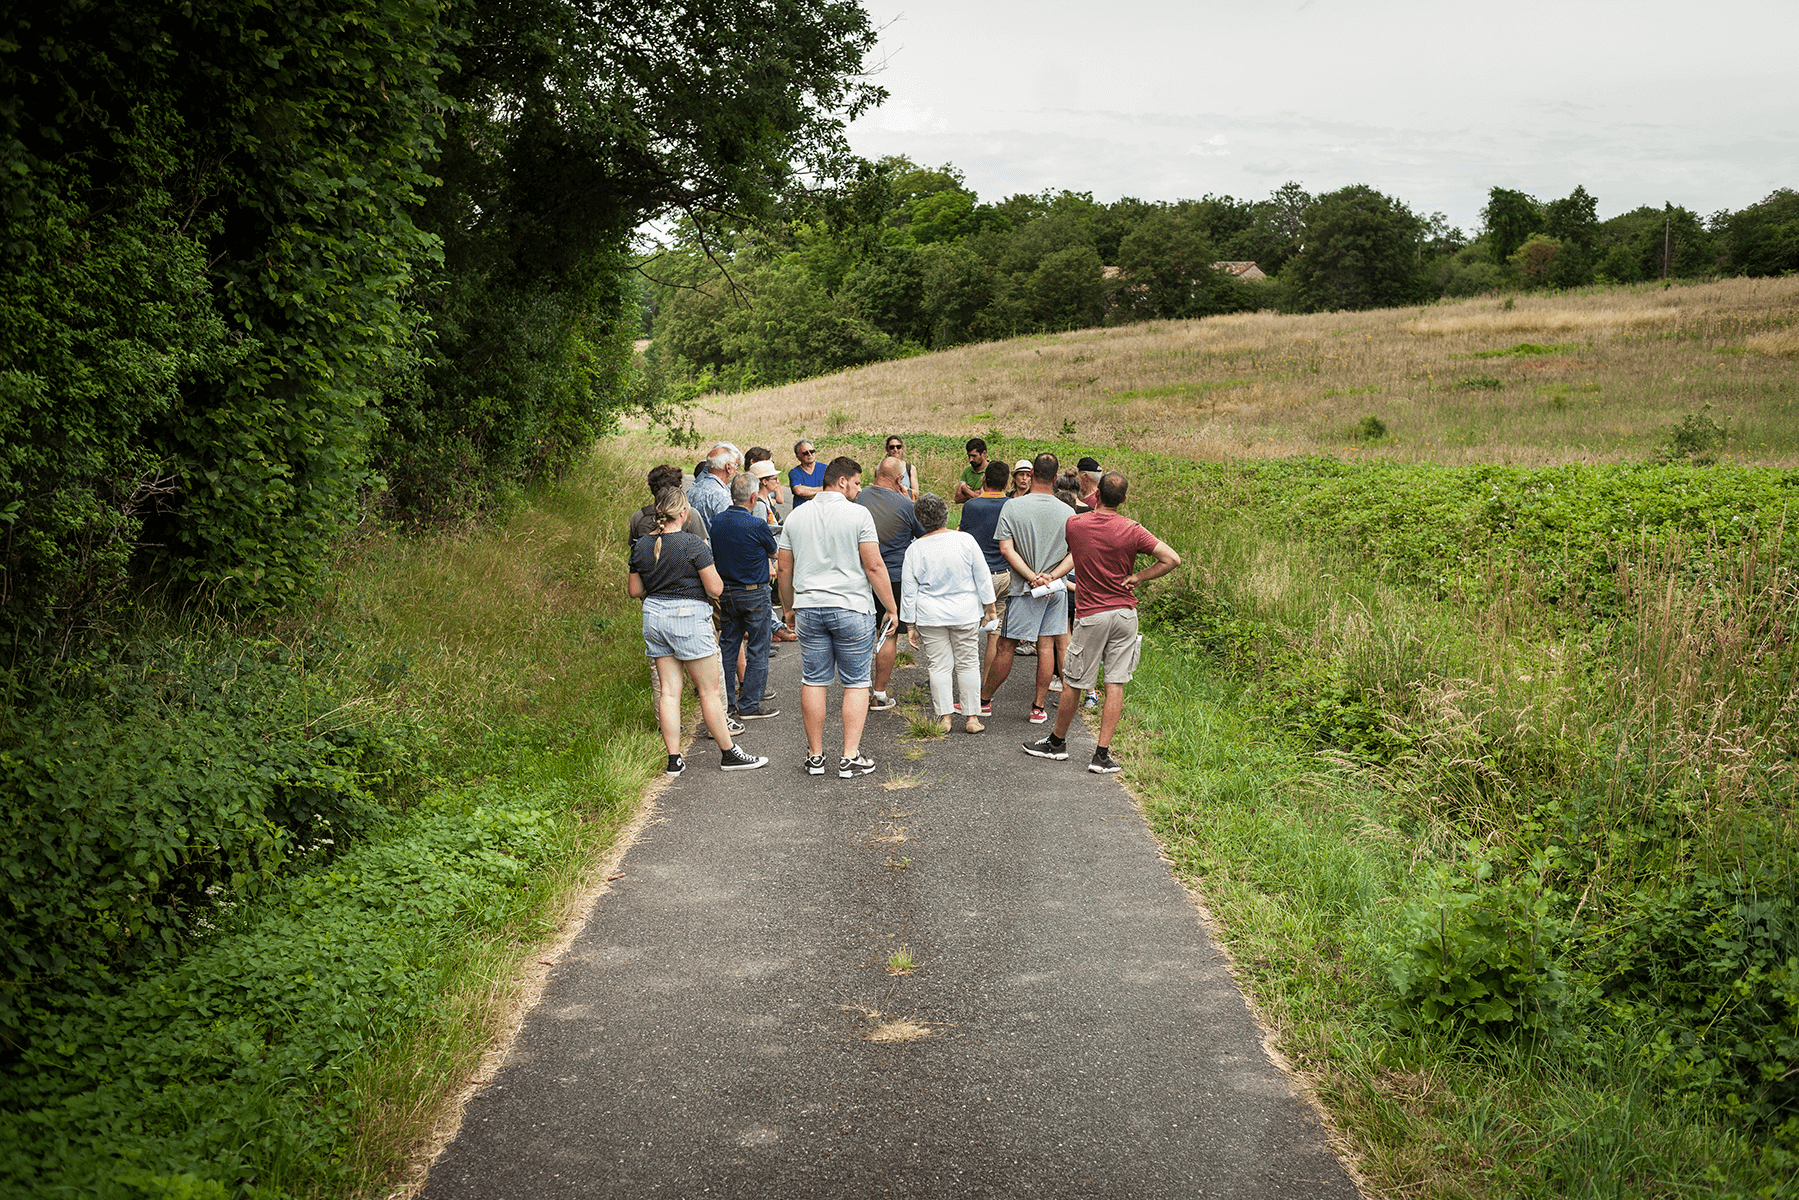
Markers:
point(207, 214)
point(146, 797)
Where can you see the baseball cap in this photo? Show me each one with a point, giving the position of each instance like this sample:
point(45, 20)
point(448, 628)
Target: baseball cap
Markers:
point(764, 470)
point(1023, 464)
point(1087, 464)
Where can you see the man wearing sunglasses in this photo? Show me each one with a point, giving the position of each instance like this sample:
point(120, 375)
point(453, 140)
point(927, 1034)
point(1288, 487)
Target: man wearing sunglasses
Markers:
point(808, 479)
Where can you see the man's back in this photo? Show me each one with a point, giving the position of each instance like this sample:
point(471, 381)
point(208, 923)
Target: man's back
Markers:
point(741, 546)
point(1105, 546)
point(825, 540)
point(1035, 525)
point(980, 517)
point(896, 526)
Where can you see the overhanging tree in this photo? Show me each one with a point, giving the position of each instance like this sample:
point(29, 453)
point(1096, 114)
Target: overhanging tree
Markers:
point(577, 121)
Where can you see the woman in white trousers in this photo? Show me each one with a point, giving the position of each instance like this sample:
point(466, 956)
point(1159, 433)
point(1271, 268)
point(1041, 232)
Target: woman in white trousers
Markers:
point(946, 593)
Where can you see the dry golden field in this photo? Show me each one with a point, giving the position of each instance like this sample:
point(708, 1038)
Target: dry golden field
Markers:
point(1585, 377)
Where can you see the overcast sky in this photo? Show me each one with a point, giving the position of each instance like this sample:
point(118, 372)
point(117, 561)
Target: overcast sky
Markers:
point(1642, 101)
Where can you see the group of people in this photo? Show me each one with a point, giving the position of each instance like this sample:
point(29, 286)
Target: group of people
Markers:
point(1048, 564)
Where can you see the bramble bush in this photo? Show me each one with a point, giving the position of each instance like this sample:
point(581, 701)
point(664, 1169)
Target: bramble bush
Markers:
point(159, 787)
point(223, 1073)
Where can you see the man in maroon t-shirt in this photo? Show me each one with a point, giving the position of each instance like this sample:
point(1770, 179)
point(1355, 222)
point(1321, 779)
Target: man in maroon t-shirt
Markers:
point(1105, 546)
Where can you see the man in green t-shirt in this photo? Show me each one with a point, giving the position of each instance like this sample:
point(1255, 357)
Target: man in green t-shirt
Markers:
point(970, 484)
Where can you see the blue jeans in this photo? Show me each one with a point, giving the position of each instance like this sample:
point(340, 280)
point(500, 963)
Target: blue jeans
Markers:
point(836, 644)
point(744, 614)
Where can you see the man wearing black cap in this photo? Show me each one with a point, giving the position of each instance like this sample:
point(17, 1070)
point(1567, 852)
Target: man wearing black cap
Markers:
point(1089, 472)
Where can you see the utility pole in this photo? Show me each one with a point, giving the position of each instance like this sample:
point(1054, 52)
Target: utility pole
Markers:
point(1667, 227)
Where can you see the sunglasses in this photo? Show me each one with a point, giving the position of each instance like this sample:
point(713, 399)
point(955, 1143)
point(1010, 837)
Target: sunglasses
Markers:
point(807, 453)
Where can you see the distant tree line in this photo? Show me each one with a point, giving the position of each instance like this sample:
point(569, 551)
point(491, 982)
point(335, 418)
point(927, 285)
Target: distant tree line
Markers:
point(265, 263)
point(908, 259)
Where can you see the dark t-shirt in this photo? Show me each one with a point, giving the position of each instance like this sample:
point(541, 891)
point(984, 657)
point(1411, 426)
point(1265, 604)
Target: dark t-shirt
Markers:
point(895, 525)
point(798, 477)
point(676, 574)
point(980, 517)
point(1105, 548)
point(742, 544)
point(644, 521)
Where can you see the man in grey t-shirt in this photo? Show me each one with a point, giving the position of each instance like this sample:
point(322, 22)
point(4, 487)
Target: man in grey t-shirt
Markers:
point(830, 579)
point(1032, 537)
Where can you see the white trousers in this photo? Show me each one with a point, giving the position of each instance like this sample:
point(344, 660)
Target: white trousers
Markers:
point(952, 656)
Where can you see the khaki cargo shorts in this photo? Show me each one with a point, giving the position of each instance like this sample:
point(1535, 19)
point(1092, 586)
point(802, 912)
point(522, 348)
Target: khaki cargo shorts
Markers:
point(1109, 639)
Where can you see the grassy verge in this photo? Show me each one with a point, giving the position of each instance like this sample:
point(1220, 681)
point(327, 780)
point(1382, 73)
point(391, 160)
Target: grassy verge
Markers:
point(301, 1036)
point(1307, 868)
point(1499, 826)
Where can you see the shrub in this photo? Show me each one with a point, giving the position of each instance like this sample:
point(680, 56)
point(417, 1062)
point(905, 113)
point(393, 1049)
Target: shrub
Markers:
point(1696, 438)
point(1479, 949)
point(155, 791)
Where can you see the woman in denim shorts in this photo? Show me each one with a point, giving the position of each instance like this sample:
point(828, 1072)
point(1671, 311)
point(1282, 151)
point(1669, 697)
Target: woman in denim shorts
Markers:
point(672, 573)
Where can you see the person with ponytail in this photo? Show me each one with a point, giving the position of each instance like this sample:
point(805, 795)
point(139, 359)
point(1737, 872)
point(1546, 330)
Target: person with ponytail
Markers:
point(672, 572)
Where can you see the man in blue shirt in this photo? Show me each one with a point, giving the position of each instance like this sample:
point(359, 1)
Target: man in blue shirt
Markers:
point(896, 527)
point(711, 492)
point(741, 547)
point(807, 479)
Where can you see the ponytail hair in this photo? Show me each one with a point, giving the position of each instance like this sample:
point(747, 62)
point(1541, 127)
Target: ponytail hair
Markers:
point(671, 505)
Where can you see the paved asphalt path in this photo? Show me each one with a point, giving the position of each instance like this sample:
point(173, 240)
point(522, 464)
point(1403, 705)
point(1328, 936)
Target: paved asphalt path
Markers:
point(717, 1029)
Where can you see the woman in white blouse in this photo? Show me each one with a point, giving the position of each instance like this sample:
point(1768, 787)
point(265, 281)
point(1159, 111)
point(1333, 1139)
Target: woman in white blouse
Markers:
point(946, 592)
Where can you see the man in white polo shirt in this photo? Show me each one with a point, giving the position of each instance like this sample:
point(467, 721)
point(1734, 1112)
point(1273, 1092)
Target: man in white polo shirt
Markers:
point(830, 573)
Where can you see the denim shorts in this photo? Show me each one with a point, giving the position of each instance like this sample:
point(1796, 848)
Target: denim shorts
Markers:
point(1030, 617)
point(836, 643)
point(678, 628)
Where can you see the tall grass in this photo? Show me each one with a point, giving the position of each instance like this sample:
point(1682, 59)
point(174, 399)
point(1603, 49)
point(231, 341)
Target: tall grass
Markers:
point(520, 648)
point(1602, 376)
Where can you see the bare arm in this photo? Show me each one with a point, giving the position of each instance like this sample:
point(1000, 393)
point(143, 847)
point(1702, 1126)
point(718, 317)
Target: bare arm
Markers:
point(1036, 579)
point(1166, 561)
point(784, 579)
point(634, 586)
point(876, 570)
point(709, 579)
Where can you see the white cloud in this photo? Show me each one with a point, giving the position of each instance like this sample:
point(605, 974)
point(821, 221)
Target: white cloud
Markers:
point(1164, 100)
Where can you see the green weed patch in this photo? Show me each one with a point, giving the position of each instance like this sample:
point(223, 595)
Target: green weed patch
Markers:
point(1523, 350)
point(227, 1068)
point(1487, 773)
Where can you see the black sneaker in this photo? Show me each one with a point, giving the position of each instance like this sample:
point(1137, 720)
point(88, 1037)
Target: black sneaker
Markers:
point(1049, 747)
point(758, 714)
point(732, 726)
point(769, 694)
point(1103, 763)
point(735, 759)
point(849, 768)
point(881, 701)
point(676, 764)
point(815, 764)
